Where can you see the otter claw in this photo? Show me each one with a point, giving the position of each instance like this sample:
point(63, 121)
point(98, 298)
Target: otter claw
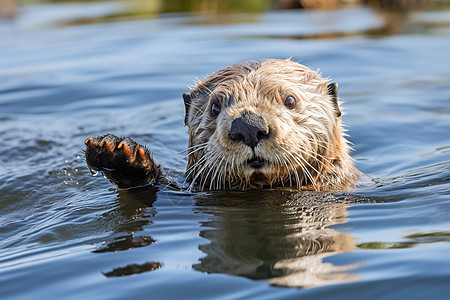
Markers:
point(142, 154)
point(110, 147)
point(127, 151)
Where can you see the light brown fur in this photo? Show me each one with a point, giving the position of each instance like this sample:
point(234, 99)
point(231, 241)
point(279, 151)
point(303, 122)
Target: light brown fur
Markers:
point(307, 148)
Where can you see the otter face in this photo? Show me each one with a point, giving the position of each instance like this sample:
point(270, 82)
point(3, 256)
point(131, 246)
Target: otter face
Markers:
point(266, 123)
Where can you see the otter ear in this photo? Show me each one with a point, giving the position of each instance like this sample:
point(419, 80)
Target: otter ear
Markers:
point(333, 92)
point(187, 105)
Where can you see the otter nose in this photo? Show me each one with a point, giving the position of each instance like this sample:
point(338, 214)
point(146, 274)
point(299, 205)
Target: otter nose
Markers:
point(249, 129)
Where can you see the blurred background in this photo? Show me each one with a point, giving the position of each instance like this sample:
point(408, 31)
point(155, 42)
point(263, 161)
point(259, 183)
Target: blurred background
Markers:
point(143, 9)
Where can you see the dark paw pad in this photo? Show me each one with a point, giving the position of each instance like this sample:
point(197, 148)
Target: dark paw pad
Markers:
point(122, 160)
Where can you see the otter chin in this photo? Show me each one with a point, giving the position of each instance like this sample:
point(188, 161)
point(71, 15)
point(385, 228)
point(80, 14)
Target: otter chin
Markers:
point(266, 123)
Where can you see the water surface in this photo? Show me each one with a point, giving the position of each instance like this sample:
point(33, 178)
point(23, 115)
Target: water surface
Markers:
point(68, 71)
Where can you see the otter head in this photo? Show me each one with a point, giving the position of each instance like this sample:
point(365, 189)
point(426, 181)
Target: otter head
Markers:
point(266, 123)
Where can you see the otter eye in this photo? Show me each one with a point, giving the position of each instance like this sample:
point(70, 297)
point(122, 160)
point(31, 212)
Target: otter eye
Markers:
point(215, 110)
point(290, 102)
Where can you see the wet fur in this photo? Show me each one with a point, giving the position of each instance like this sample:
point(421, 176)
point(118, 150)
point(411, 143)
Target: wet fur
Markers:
point(307, 148)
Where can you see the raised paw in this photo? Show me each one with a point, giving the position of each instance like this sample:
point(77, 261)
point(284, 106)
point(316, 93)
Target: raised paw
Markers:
point(124, 162)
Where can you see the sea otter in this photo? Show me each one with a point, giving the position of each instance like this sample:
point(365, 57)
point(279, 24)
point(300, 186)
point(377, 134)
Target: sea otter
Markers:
point(256, 124)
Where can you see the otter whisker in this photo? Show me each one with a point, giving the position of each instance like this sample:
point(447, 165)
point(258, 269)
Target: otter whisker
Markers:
point(304, 169)
point(329, 160)
point(278, 167)
point(319, 161)
point(318, 173)
point(337, 172)
point(196, 150)
point(205, 162)
point(223, 171)
point(277, 164)
point(224, 174)
point(184, 156)
point(292, 166)
point(210, 167)
point(199, 173)
point(279, 160)
point(217, 167)
point(292, 169)
point(189, 170)
point(192, 147)
point(289, 174)
point(192, 152)
point(218, 172)
point(194, 167)
point(196, 164)
point(231, 171)
point(298, 183)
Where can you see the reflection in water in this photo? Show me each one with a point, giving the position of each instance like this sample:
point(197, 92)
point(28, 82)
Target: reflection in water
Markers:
point(133, 212)
point(412, 240)
point(126, 243)
point(279, 236)
point(133, 269)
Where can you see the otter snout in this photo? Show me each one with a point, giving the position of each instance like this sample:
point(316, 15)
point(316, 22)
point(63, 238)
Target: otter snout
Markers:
point(249, 129)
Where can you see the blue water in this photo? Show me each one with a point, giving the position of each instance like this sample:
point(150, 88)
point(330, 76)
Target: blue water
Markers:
point(68, 72)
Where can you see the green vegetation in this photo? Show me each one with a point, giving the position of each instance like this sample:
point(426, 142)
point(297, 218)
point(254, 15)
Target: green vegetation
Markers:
point(413, 240)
